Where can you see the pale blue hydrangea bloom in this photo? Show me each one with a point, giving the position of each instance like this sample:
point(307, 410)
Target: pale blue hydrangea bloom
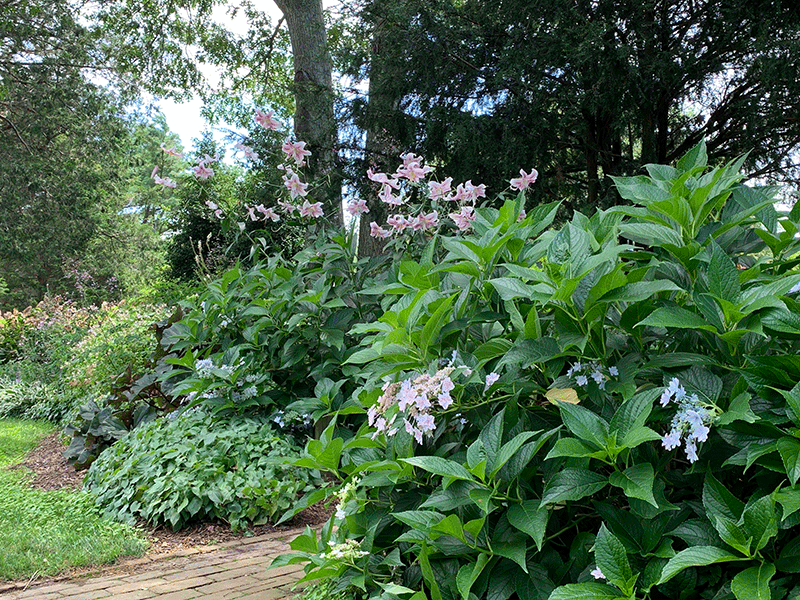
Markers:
point(691, 422)
point(583, 372)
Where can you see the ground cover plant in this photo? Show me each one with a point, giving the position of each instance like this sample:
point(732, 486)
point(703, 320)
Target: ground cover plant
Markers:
point(195, 466)
point(45, 532)
point(606, 409)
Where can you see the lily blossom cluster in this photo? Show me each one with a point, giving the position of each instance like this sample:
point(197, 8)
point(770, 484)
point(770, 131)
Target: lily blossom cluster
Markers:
point(412, 173)
point(165, 181)
point(693, 419)
point(202, 171)
point(417, 400)
point(594, 371)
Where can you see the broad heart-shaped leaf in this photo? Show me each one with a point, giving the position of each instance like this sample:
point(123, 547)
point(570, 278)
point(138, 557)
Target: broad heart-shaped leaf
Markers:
point(586, 591)
point(723, 276)
point(696, 556)
point(636, 482)
point(753, 583)
point(612, 560)
point(675, 316)
point(584, 423)
point(789, 448)
point(531, 518)
point(572, 484)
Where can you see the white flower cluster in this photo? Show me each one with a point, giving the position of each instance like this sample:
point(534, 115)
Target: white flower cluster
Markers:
point(582, 373)
point(417, 398)
point(204, 368)
point(347, 550)
point(692, 419)
point(344, 495)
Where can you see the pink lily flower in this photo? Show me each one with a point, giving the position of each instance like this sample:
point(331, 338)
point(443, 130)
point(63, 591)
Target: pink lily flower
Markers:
point(295, 186)
point(201, 171)
point(464, 219)
point(439, 190)
point(287, 207)
point(357, 207)
point(296, 150)
point(383, 178)
point(266, 120)
point(171, 151)
point(311, 210)
point(526, 179)
point(398, 223)
point(377, 231)
point(389, 198)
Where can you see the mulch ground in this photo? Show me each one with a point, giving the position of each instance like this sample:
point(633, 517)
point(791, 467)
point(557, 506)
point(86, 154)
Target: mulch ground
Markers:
point(51, 472)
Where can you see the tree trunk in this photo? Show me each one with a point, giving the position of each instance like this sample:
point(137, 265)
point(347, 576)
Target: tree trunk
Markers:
point(378, 148)
point(314, 121)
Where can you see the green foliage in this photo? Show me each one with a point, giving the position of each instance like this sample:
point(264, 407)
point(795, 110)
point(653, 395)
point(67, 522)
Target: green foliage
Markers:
point(47, 532)
point(122, 339)
point(135, 397)
point(555, 414)
point(267, 337)
point(32, 400)
point(194, 467)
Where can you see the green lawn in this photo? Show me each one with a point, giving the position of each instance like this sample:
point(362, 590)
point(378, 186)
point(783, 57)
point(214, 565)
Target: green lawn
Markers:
point(45, 532)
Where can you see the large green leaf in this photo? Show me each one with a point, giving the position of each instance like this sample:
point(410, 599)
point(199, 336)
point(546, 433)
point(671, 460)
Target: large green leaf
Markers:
point(753, 583)
point(789, 499)
point(640, 290)
point(636, 482)
point(572, 484)
point(612, 560)
point(723, 276)
point(586, 591)
point(760, 521)
point(584, 423)
point(792, 398)
point(530, 518)
point(468, 574)
point(696, 556)
point(675, 316)
point(440, 466)
point(789, 448)
point(719, 502)
point(651, 234)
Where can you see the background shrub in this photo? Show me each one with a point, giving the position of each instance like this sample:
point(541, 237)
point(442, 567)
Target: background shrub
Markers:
point(199, 467)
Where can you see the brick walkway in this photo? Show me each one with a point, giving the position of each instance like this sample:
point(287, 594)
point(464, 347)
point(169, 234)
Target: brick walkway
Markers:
point(223, 572)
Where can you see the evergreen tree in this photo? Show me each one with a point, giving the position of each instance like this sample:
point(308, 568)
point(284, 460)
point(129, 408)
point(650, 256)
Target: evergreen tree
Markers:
point(585, 89)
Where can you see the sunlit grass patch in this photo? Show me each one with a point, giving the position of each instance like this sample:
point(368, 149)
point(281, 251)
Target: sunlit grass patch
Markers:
point(45, 532)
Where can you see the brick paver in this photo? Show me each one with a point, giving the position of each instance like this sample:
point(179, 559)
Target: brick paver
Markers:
point(225, 572)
